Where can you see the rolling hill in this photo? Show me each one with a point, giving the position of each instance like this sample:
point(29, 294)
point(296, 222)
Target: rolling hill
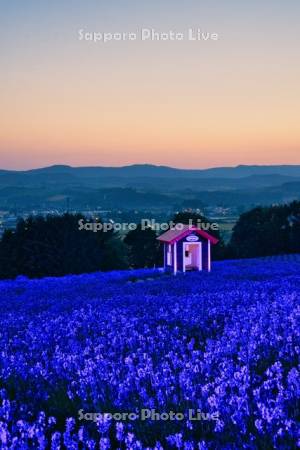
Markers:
point(147, 185)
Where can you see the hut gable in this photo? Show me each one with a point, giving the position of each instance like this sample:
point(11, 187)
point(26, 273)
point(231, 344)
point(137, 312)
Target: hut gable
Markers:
point(175, 234)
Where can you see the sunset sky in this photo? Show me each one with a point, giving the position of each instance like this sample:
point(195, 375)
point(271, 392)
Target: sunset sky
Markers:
point(190, 104)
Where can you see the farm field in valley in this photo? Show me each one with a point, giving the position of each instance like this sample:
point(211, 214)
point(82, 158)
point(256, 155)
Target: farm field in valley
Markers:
point(225, 343)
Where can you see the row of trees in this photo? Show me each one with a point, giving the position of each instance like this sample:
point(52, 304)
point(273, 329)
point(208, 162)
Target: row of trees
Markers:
point(54, 246)
point(266, 231)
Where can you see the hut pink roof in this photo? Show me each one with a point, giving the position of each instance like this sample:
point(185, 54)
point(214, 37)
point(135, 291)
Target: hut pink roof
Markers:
point(175, 234)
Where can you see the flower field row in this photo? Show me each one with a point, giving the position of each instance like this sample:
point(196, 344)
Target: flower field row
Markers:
point(224, 343)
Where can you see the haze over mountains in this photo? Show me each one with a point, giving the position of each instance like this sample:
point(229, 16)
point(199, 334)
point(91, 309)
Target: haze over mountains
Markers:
point(146, 185)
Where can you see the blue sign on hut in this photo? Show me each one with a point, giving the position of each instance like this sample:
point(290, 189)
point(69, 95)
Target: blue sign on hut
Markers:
point(186, 248)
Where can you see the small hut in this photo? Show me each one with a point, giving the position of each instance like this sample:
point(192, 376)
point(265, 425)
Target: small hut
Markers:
point(187, 248)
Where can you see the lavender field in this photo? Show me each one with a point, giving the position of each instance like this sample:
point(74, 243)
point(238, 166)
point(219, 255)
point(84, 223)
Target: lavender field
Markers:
point(226, 344)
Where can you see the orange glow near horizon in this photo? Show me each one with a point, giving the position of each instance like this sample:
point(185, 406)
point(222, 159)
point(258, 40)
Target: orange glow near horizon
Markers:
point(182, 104)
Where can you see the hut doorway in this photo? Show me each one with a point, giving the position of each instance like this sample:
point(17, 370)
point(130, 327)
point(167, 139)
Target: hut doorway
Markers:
point(192, 256)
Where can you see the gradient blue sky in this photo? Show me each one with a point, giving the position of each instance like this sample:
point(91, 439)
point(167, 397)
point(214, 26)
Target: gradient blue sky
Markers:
point(185, 104)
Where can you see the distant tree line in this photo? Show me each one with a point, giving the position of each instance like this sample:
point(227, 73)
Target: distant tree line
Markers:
point(266, 231)
point(55, 246)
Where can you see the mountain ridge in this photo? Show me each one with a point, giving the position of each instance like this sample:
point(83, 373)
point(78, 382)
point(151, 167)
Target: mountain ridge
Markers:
point(152, 170)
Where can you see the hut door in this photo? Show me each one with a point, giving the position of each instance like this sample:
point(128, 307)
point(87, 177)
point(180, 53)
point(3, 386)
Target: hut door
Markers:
point(192, 256)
